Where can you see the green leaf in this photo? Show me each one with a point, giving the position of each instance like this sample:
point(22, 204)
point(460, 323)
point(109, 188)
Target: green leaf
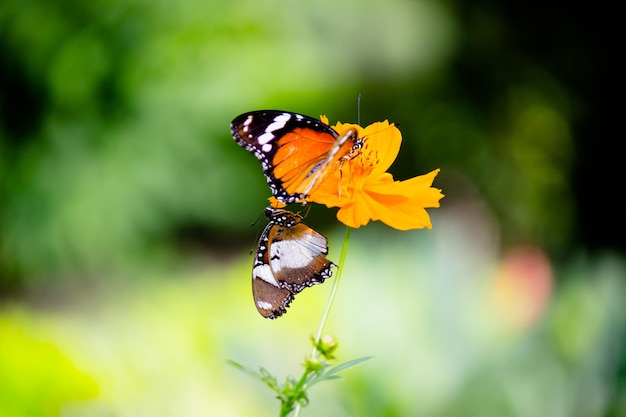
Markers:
point(244, 369)
point(346, 365)
point(262, 375)
point(330, 374)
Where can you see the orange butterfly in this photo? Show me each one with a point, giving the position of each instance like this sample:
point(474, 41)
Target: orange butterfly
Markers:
point(296, 151)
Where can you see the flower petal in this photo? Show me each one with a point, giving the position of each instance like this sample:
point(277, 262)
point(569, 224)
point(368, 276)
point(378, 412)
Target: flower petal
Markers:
point(354, 215)
point(276, 203)
point(399, 204)
point(417, 187)
point(407, 215)
point(381, 147)
point(364, 191)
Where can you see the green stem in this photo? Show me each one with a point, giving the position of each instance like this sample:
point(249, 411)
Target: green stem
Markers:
point(286, 407)
point(333, 291)
point(329, 303)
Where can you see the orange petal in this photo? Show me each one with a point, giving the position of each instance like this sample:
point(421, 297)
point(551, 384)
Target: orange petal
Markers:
point(352, 215)
point(275, 203)
point(399, 204)
point(407, 214)
point(381, 147)
point(402, 216)
point(342, 128)
point(418, 188)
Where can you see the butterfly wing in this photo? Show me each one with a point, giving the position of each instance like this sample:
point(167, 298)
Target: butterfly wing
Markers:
point(290, 257)
point(296, 151)
point(269, 298)
point(298, 257)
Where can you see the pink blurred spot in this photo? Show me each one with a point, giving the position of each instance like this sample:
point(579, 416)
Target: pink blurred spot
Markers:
point(523, 287)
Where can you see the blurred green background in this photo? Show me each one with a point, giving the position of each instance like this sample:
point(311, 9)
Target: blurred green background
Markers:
point(125, 207)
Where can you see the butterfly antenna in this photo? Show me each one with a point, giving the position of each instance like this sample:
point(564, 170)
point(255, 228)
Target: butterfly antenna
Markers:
point(358, 109)
point(256, 220)
point(258, 232)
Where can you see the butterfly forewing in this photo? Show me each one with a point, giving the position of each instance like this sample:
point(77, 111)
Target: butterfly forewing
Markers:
point(298, 257)
point(296, 151)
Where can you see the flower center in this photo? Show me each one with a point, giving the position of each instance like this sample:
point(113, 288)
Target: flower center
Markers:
point(367, 161)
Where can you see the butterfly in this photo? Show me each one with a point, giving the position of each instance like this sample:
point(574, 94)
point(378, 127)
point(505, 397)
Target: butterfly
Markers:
point(296, 151)
point(290, 257)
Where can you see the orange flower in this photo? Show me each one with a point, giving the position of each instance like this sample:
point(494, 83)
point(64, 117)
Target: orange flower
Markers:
point(364, 191)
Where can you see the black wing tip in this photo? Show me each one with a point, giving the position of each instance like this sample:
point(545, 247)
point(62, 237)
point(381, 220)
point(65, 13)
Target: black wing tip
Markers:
point(282, 309)
point(237, 120)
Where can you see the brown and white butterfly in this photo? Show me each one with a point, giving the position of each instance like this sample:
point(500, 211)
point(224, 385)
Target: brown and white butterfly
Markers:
point(290, 257)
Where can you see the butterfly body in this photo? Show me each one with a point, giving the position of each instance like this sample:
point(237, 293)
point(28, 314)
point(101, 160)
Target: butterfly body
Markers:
point(295, 151)
point(290, 257)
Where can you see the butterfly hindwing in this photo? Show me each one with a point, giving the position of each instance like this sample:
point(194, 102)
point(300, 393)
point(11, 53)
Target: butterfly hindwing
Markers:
point(270, 300)
point(295, 151)
point(290, 257)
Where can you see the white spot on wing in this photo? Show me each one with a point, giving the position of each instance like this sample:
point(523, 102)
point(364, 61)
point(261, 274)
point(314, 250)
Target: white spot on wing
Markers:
point(294, 254)
point(264, 305)
point(278, 123)
point(265, 138)
point(264, 272)
point(246, 124)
